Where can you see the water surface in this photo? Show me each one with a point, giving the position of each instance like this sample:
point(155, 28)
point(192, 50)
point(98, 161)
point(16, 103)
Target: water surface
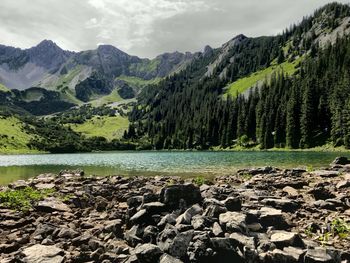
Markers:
point(14, 167)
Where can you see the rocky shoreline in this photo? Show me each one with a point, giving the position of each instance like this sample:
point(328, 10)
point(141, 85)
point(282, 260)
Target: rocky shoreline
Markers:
point(256, 215)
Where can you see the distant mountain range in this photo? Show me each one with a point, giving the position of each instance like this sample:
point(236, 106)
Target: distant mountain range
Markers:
point(84, 75)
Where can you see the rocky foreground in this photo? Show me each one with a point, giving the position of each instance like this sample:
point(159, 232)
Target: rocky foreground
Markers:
point(256, 215)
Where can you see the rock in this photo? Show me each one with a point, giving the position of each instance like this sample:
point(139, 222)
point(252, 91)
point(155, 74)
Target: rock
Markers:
point(140, 216)
point(133, 236)
point(44, 254)
point(114, 226)
point(67, 233)
point(43, 186)
point(101, 203)
point(213, 211)
point(186, 217)
point(233, 204)
point(233, 221)
point(165, 258)
point(199, 222)
point(51, 204)
point(271, 217)
point(321, 193)
point(174, 243)
point(290, 191)
point(217, 230)
point(288, 255)
point(150, 234)
point(147, 253)
point(243, 241)
point(154, 207)
point(318, 255)
point(340, 161)
point(284, 239)
point(225, 250)
point(325, 173)
point(286, 205)
point(343, 184)
point(171, 195)
point(168, 219)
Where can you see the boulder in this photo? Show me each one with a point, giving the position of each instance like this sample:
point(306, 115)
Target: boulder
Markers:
point(341, 160)
point(243, 241)
point(233, 221)
point(284, 239)
point(271, 217)
point(233, 204)
point(173, 242)
point(165, 258)
point(286, 205)
point(186, 217)
point(318, 255)
point(217, 230)
point(290, 191)
point(147, 253)
point(44, 254)
point(343, 184)
point(325, 173)
point(51, 204)
point(171, 195)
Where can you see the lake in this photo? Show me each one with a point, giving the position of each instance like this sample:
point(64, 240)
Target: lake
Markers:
point(14, 167)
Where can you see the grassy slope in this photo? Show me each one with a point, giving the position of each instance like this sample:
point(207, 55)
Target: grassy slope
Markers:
point(245, 83)
point(113, 97)
point(17, 139)
point(108, 127)
point(3, 88)
point(138, 82)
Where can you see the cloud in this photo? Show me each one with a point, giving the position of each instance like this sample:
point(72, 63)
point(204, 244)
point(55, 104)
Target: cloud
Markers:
point(145, 27)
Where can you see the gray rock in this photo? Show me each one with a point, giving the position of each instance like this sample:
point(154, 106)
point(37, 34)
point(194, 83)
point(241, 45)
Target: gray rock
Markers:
point(318, 255)
point(168, 219)
point(139, 216)
point(171, 195)
point(165, 258)
point(186, 217)
point(133, 235)
point(51, 204)
point(154, 207)
point(199, 222)
point(343, 184)
point(217, 230)
point(43, 254)
point(284, 239)
point(341, 160)
point(271, 217)
point(243, 240)
point(233, 204)
point(67, 233)
point(285, 204)
point(173, 242)
point(233, 221)
point(148, 253)
point(290, 191)
point(325, 173)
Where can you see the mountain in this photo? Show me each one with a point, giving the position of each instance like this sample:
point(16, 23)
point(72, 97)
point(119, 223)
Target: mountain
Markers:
point(284, 91)
point(84, 76)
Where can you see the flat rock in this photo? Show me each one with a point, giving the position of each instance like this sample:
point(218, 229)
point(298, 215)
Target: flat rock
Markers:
point(165, 258)
point(284, 239)
point(318, 255)
point(233, 221)
point(189, 193)
point(148, 253)
point(43, 254)
point(51, 204)
point(325, 173)
point(186, 217)
point(343, 184)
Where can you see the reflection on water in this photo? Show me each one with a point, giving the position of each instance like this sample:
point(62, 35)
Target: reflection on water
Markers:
point(14, 167)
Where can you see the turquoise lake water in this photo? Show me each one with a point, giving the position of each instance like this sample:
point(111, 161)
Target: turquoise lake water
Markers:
point(14, 167)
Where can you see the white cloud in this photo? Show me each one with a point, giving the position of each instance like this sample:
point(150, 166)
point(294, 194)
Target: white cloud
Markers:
point(145, 27)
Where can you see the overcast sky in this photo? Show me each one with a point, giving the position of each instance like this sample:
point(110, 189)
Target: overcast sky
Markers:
point(145, 27)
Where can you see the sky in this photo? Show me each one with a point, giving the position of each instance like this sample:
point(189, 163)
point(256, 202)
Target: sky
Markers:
point(145, 28)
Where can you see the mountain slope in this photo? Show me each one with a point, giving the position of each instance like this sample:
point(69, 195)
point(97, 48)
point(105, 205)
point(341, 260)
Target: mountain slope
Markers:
point(85, 75)
point(188, 110)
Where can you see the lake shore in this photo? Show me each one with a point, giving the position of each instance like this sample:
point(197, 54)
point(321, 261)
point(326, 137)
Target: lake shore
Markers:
point(255, 215)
